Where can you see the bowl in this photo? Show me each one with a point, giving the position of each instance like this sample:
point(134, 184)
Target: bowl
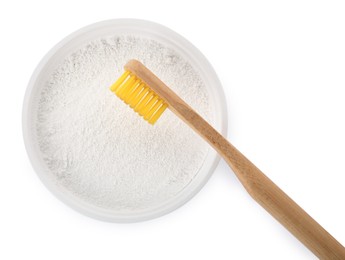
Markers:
point(113, 27)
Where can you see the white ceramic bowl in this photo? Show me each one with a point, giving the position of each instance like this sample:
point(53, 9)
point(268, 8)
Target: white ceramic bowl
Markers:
point(72, 43)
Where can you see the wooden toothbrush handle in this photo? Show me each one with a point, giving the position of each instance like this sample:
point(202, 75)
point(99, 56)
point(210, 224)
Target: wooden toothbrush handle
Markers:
point(261, 188)
point(266, 193)
point(283, 208)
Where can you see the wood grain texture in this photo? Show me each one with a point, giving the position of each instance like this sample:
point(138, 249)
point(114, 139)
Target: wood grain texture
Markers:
point(257, 184)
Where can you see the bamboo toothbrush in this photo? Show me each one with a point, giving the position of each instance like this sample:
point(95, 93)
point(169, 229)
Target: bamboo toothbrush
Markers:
point(149, 96)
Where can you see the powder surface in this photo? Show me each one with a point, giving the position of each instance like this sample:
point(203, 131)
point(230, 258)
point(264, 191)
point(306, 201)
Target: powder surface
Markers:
point(97, 148)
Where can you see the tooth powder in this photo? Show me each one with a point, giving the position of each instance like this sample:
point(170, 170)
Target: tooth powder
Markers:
point(97, 149)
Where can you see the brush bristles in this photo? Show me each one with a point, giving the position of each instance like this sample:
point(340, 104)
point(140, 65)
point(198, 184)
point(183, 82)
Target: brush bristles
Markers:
point(139, 96)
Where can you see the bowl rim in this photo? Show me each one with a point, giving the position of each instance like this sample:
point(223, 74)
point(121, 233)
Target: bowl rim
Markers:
point(78, 204)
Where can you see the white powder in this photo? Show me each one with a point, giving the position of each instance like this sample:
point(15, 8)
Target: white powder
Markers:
point(97, 148)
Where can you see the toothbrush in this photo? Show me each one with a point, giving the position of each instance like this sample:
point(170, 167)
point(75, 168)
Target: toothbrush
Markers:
point(149, 97)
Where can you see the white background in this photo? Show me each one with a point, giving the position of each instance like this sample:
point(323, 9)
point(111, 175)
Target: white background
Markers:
point(282, 65)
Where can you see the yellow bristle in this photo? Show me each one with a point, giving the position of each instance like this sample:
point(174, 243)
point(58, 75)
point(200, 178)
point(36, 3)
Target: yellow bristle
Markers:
point(139, 96)
point(159, 112)
point(137, 99)
point(143, 102)
point(122, 90)
point(130, 91)
point(136, 92)
point(149, 105)
point(153, 109)
point(119, 81)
